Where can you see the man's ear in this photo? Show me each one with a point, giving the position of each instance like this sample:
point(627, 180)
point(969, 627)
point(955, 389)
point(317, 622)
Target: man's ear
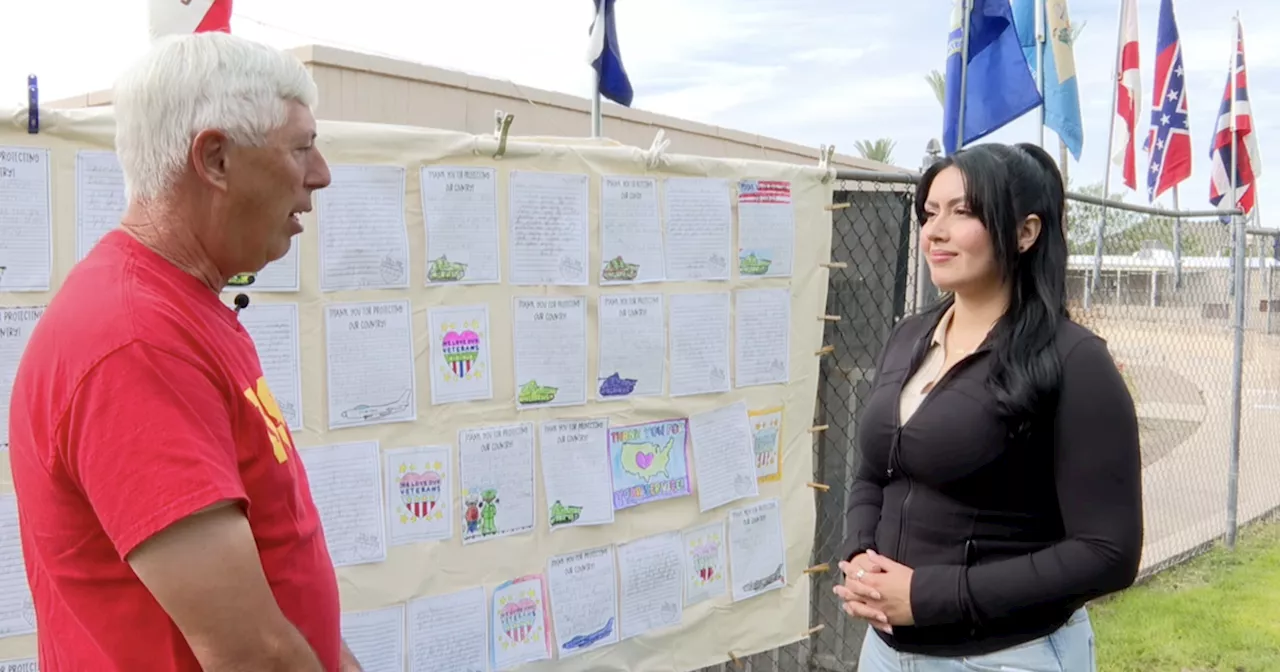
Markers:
point(1028, 232)
point(210, 154)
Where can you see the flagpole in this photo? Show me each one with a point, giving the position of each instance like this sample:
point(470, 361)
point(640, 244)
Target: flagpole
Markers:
point(597, 116)
point(967, 20)
point(1237, 358)
point(1092, 286)
point(1040, 26)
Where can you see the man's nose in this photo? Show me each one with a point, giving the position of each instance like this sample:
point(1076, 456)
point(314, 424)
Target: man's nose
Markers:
point(319, 176)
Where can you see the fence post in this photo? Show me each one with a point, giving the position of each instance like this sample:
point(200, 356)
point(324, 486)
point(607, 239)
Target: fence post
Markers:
point(1237, 378)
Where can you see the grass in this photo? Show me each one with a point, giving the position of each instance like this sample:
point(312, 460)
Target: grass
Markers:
point(1217, 613)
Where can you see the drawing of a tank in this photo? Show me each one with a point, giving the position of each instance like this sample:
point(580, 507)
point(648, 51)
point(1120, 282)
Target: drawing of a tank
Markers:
point(753, 265)
point(617, 386)
point(563, 515)
point(443, 270)
point(533, 393)
point(617, 269)
point(239, 280)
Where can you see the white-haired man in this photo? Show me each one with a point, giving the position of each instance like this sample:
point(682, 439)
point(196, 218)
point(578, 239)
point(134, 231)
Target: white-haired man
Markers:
point(167, 523)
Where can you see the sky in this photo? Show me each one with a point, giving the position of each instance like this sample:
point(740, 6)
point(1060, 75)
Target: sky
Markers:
point(807, 71)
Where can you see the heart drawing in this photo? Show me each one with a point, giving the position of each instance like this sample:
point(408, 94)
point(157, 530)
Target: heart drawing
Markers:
point(420, 492)
point(519, 618)
point(643, 460)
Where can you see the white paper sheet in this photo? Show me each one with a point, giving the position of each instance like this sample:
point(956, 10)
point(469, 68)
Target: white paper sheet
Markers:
point(762, 345)
point(461, 369)
point(26, 220)
point(274, 330)
point(548, 228)
point(460, 206)
point(419, 494)
point(583, 591)
point(699, 240)
point(633, 346)
point(766, 228)
point(17, 610)
point(757, 553)
point(519, 623)
point(283, 274)
point(363, 240)
point(370, 364)
point(706, 565)
point(15, 330)
point(376, 638)
point(630, 231)
point(100, 201)
point(652, 580)
point(449, 633)
point(346, 484)
point(550, 338)
point(576, 476)
point(20, 665)
point(699, 333)
point(496, 479)
point(724, 458)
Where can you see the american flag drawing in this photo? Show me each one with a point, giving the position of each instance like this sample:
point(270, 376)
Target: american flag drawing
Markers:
point(1169, 141)
point(1235, 140)
point(764, 191)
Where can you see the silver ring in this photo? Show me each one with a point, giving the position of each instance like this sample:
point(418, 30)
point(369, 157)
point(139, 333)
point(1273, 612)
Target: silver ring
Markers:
point(860, 574)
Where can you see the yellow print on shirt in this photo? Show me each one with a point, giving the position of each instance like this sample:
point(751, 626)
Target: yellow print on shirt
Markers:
point(277, 430)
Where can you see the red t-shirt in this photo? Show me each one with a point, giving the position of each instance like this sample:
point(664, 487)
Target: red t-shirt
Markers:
point(139, 401)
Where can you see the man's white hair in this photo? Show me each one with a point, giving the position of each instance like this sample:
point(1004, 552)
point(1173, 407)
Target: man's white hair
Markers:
point(188, 84)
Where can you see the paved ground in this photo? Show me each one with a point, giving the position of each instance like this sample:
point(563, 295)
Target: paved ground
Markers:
point(1181, 378)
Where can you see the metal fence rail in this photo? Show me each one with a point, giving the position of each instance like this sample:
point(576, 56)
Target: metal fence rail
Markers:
point(1170, 320)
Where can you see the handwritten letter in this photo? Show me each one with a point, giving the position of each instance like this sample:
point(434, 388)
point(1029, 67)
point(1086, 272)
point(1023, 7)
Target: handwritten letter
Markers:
point(723, 456)
point(371, 373)
point(363, 240)
point(274, 330)
point(699, 326)
point(17, 611)
point(630, 231)
point(15, 330)
point(420, 494)
point(346, 485)
point(757, 551)
point(699, 239)
point(281, 275)
point(497, 481)
point(460, 366)
point(26, 220)
point(548, 235)
point(449, 633)
point(551, 351)
point(766, 228)
point(575, 472)
point(376, 638)
point(460, 206)
point(705, 565)
point(583, 593)
point(20, 665)
point(761, 347)
point(633, 346)
point(652, 582)
point(100, 201)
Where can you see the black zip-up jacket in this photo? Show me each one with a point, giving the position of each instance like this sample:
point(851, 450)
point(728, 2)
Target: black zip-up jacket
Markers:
point(1006, 537)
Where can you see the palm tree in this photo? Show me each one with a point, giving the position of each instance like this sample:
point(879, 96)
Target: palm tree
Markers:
point(880, 151)
point(938, 83)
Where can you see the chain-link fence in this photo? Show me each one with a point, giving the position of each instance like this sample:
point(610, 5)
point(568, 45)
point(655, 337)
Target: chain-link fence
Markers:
point(1157, 285)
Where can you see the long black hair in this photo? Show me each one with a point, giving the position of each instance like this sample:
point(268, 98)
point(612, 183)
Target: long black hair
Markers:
point(1004, 185)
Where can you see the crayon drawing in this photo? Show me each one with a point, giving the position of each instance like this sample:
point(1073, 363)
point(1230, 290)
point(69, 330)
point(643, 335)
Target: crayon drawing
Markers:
point(650, 462)
point(518, 623)
point(766, 435)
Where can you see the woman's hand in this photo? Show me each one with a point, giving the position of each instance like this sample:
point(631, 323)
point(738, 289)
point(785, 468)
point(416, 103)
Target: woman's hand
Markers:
point(892, 581)
point(857, 595)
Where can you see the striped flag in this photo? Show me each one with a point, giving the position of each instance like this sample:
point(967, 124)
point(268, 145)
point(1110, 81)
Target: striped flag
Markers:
point(1128, 95)
point(606, 58)
point(1170, 138)
point(1235, 140)
point(764, 191)
point(183, 17)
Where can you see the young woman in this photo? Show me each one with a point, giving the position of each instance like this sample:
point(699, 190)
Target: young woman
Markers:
point(999, 487)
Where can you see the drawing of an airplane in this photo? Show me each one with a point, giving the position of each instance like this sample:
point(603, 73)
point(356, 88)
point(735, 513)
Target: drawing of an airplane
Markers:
point(367, 412)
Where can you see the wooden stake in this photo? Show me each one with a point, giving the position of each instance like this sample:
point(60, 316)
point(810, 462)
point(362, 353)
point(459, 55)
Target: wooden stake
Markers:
point(837, 206)
point(826, 350)
point(818, 569)
point(819, 486)
point(835, 264)
point(819, 428)
point(829, 318)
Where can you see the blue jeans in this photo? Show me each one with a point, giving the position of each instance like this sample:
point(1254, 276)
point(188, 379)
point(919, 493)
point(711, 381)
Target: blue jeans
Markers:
point(1067, 649)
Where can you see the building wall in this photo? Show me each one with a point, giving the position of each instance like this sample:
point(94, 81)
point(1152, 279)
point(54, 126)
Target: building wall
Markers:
point(367, 88)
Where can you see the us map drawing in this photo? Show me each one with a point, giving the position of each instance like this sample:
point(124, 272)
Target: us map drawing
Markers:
point(649, 462)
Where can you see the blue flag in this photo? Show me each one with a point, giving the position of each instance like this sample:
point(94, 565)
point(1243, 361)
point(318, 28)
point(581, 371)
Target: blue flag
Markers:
point(998, 85)
point(1061, 92)
point(606, 58)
